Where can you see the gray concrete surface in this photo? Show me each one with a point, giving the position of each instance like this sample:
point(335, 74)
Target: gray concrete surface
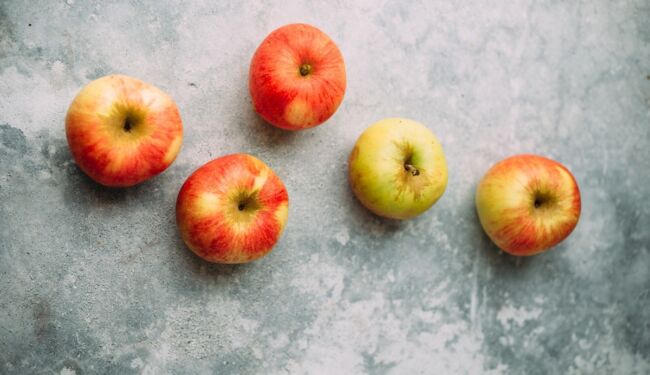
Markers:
point(94, 280)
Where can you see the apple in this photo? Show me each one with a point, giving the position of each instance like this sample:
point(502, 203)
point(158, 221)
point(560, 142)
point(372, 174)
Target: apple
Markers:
point(297, 77)
point(232, 209)
point(122, 131)
point(397, 168)
point(528, 204)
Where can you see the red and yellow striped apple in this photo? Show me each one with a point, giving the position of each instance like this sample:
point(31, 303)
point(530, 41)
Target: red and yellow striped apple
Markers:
point(122, 131)
point(397, 168)
point(528, 204)
point(297, 77)
point(232, 209)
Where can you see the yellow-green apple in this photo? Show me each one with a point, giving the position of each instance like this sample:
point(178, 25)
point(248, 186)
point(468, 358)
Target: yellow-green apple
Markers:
point(397, 168)
point(297, 77)
point(527, 204)
point(122, 131)
point(232, 209)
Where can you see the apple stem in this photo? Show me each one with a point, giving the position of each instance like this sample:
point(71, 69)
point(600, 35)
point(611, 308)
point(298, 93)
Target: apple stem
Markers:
point(305, 69)
point(414, 171)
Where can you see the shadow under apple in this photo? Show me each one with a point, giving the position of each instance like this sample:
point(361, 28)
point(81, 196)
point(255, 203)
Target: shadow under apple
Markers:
point(198, 269)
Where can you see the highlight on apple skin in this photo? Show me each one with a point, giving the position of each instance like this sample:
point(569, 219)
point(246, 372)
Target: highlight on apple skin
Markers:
point(232, 209)
point(397, 168)
point(122, 131)
point(528, 204)
point(297, 77)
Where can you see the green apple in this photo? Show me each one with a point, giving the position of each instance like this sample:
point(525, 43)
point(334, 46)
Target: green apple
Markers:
point(397, 168)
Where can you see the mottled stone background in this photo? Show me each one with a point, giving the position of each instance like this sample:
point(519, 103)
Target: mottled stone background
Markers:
point(94, 280)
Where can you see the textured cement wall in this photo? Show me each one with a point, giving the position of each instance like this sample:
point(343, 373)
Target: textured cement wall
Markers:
point(94, 280)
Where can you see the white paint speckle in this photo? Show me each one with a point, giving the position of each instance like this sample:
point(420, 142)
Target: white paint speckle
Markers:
point(508, 315)
point(137, 363)
point(58, 67)
point(67, 371)
point(321, 280)
point(342, 236)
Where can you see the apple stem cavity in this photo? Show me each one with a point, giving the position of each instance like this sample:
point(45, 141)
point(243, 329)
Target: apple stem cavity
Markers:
point(542, 199)
point(128, 124)
point(411, 169)
point(247, 202)
point(305, 69)
point(132, 120)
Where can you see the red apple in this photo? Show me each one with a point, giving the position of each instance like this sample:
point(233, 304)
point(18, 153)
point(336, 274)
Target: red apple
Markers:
point(297, 77)
point(528, 204)
point(122, 131)
point(232, 209)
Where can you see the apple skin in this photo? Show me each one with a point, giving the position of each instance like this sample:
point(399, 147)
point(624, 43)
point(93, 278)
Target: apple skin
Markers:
point(232, 209)
point(397, 168)
point(122, 131)
point(297, 77)
point(528, 204)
